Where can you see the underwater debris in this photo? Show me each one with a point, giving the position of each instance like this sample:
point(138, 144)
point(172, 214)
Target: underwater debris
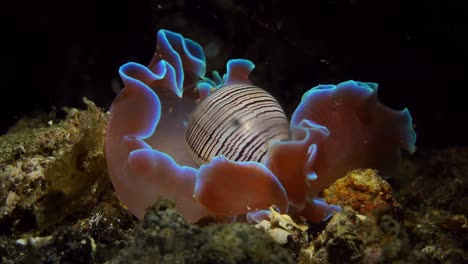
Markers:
point(282, 228)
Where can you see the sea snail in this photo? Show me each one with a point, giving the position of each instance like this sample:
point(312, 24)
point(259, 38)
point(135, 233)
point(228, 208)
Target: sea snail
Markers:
point(152, 138)
point(238, 121)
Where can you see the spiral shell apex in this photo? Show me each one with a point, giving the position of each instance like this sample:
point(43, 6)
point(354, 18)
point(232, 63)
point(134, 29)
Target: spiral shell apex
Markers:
point(238, 121)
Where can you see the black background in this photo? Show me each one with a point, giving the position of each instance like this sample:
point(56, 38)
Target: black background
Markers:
point(56, 52)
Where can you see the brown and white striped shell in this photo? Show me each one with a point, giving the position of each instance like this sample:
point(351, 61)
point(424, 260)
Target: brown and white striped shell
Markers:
point(238, 121)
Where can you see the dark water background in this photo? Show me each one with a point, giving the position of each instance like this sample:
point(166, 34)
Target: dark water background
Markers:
point(56, 52)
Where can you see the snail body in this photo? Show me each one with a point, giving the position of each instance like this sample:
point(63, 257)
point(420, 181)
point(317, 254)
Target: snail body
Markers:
point(238, 121)
point(158, 126)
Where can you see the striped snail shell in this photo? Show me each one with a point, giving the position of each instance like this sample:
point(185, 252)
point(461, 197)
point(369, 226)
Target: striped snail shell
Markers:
point(238, 121)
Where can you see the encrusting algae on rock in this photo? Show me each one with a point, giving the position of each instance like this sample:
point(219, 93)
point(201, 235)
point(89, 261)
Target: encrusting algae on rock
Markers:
point(56, 171)
point(58, 205)
point(368, 229)
point(52, 171)
point(164, 236)
point(363, 190)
